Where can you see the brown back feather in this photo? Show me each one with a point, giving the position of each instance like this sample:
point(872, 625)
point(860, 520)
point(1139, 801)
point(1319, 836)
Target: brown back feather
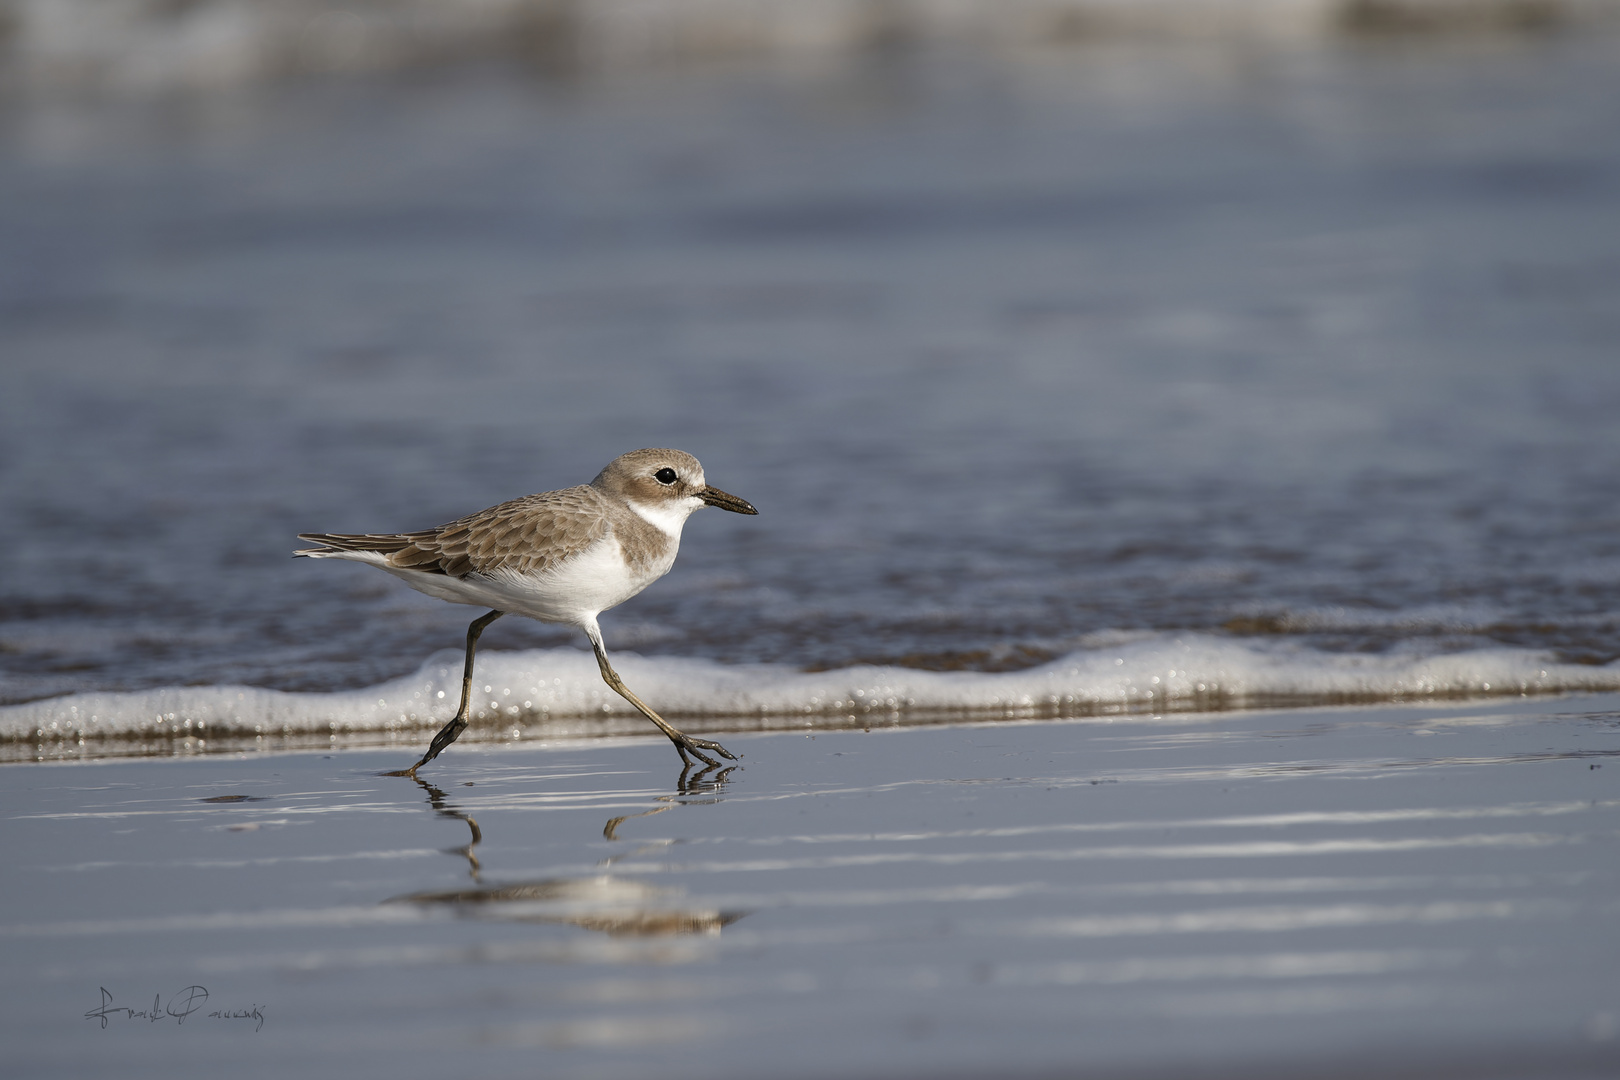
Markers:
point(525, 535)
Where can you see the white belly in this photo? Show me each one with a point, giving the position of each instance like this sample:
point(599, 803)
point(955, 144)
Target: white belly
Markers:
point(574, 592)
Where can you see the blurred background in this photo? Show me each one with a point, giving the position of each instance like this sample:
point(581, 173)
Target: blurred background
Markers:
point(1030, 326)
point(1264, 345)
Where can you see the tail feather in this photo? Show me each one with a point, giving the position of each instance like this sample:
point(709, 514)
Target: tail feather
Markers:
point(382, 543)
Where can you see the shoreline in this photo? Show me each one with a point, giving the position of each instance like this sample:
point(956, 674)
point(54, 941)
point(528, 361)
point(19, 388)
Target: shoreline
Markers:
point(83, 45)
point(488, 733)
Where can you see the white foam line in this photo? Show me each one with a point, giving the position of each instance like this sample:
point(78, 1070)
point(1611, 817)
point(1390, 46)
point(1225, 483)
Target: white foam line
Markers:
point(562, 689)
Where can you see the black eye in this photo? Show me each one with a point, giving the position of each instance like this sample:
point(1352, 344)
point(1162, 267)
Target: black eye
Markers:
point(665, 475)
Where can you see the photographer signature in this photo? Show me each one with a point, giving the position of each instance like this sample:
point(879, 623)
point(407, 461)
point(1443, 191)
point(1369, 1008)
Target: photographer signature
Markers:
point(181, 1005)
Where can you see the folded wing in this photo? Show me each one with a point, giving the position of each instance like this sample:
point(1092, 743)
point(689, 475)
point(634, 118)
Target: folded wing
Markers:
point(526, 536)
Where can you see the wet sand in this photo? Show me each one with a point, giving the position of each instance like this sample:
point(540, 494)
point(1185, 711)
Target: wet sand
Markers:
point(1420, 890)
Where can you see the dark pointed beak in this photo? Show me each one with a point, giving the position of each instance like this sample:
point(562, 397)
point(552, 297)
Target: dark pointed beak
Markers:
point(715, 497)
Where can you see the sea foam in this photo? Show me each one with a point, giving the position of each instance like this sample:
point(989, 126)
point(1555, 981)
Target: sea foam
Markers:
point(560, 691)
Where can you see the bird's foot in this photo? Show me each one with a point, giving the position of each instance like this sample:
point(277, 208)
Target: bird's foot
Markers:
point(686, 743)
point(444, 738)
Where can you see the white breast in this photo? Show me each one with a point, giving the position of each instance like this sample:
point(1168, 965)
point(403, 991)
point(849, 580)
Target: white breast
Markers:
point(573, 592)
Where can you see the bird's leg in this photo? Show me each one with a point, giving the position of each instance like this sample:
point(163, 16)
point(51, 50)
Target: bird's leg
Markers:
point(682, 741)
point(458, 723)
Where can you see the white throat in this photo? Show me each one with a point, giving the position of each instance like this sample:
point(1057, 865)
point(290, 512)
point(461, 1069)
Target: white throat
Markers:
point(667, 517)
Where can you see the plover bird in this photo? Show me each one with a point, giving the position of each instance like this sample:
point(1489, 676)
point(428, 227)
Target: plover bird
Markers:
point(559, 556)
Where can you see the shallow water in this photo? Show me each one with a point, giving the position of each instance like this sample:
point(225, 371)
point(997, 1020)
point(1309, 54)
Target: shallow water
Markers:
point(1112, 385)
point(1310, 349)
point(1407, 891)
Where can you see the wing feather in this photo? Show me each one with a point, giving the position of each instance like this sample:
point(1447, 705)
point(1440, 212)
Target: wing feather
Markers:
point(526, 535)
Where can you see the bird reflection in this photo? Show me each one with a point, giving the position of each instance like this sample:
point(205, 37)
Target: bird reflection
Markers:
point(617, 906)
point(441, 805)
point(690, 784)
